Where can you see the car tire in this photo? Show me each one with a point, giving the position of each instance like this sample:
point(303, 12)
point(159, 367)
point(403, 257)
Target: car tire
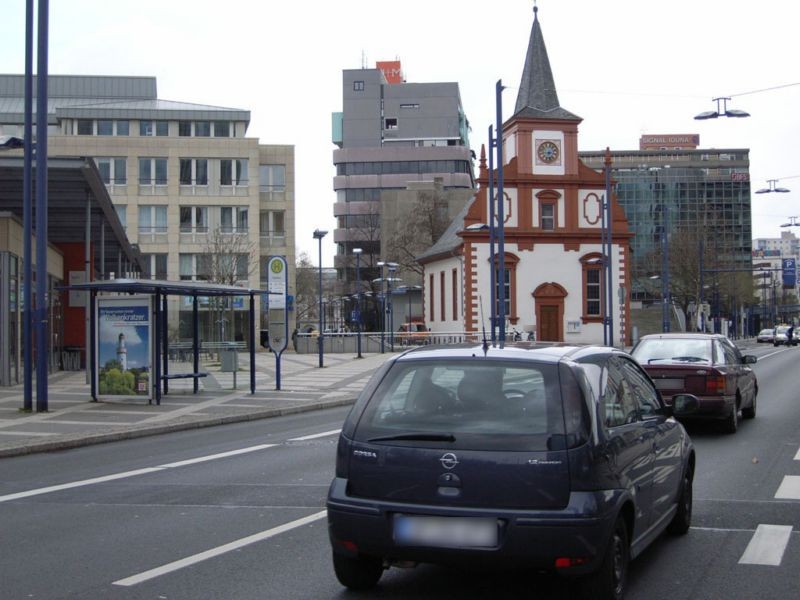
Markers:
point(683, 517)
point(750, 412)
point(731, 423)
point(610, 580)
point(357, 573)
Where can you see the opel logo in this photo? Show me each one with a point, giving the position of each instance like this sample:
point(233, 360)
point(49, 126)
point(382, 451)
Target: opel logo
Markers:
point(449, 461)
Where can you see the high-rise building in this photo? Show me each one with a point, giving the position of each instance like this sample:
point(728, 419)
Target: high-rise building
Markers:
point(391, 135)
point(700, 197)
point(185, 180)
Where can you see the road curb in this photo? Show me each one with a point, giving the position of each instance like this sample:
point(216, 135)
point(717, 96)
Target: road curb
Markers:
point(70, 441)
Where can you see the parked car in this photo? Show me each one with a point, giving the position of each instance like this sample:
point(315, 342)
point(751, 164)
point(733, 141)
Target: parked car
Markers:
point(706, 365)
point(413, 333)
point(562, 459)
point(765, 336)
point(781, 337)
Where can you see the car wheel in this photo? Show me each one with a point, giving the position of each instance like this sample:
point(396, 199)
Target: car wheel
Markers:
point(610, 580)
point(731, 423)
point(683, 517)
point(358, 573)
point(750, 412)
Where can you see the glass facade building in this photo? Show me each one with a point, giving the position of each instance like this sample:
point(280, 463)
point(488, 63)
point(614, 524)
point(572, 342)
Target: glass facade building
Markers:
point(703, 195)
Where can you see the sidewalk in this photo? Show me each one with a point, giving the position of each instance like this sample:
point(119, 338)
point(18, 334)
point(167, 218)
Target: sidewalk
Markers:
point(73, 420)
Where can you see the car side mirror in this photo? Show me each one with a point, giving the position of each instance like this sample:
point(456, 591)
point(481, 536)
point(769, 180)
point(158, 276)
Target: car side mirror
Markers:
point(749, 359)
point(684, 404)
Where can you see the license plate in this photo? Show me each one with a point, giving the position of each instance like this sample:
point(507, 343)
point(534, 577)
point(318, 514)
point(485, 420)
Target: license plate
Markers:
point(445, 532)
point(668, 384)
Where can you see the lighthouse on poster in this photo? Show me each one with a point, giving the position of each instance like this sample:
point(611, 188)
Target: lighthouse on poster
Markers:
point(122, 353)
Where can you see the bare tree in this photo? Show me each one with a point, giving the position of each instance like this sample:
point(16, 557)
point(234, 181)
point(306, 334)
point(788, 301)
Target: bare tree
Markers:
point(306, 289)
point(421, 226)
point(227, 259)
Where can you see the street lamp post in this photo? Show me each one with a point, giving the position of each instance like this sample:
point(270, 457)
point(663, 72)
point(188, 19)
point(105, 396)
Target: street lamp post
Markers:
point(357, 252)
point(392, 269)
point(318, 235)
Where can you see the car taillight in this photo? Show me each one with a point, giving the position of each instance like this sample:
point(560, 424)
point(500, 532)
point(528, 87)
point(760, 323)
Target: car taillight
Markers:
point(715, 384)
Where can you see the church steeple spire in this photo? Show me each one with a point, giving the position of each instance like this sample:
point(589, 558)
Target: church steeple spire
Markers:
point(537, 96)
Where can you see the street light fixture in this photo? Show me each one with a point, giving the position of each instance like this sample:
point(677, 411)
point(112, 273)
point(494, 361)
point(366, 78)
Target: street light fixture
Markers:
point(773, 187)
point(357, 252)
point(722, 110)
point(318, 235)
point(792, 222)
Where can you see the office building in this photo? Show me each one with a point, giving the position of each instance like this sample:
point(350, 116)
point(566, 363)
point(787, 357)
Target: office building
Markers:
point(200, 199)
point(701, 197)
point(392, 136)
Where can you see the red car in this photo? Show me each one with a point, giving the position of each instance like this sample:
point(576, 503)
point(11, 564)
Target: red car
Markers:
point(707, 366)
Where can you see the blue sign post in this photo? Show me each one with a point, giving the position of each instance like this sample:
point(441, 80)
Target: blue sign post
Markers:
point(789, 268)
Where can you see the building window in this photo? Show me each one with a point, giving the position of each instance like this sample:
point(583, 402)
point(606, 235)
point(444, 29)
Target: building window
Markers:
point(222, 129)
point(548, 219)
point(391, 123)
point(358, 86)
point(152, 219)
point(202, 129)
point(455, 294)
point(233, 171)
point(151, 128)
point(113, 171)
point(593, 287)
point(431, 304)
point(272, 178)
point(105, 127)
point(85, 127)
point(155, 266)
point(122, 214)
point(271, 224)
point(153, 171)
point(442, 297)
point(195, 267)
point(233, 219)
point(185, 128)
point(509, 287)
point(194, 219)
point(123, 127)
point(194, 171)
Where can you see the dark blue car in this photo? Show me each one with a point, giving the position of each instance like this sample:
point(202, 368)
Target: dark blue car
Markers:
point(561, 458)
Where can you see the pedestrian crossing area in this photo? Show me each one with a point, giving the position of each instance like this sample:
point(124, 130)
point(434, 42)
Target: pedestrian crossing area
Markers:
point(769, 542)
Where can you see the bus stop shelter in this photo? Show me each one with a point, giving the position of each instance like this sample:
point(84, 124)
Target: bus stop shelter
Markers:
point(160, 290)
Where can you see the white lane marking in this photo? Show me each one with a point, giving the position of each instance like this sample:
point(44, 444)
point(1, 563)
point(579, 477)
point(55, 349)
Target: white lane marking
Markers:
point(200, 459)
point(772, 353)
point(767, 545)
point(115, 476)
point(27, 433)
point(789, 488)
point(219, 550)
point(797, 456)
point(74, 484)
point(315, 435)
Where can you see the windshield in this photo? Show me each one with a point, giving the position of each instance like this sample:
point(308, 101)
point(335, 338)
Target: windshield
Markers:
point(661, 350)
point(782, 329)
point(471, 403)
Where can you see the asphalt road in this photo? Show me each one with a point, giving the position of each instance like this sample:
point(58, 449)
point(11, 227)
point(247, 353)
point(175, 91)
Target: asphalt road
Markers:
point(236, 512)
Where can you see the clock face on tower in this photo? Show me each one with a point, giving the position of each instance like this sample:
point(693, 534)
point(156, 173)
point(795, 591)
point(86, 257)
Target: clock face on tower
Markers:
point(548, 152)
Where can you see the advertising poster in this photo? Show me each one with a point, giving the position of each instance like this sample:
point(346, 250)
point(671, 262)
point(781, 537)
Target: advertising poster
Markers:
point(123, 347)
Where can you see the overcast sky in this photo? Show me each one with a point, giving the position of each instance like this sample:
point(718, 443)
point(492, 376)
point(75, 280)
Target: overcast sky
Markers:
point(627, 67)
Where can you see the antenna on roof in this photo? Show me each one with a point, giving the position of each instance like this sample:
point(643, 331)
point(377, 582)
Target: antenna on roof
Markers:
point(483, 326)
point(363, 60)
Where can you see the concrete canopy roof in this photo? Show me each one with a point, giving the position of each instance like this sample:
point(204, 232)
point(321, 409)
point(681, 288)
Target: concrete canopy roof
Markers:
point(70, 182)
point(172, 288)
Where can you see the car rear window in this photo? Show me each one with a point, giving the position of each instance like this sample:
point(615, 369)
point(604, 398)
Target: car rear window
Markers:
point(480, 403)
point(655, 351)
